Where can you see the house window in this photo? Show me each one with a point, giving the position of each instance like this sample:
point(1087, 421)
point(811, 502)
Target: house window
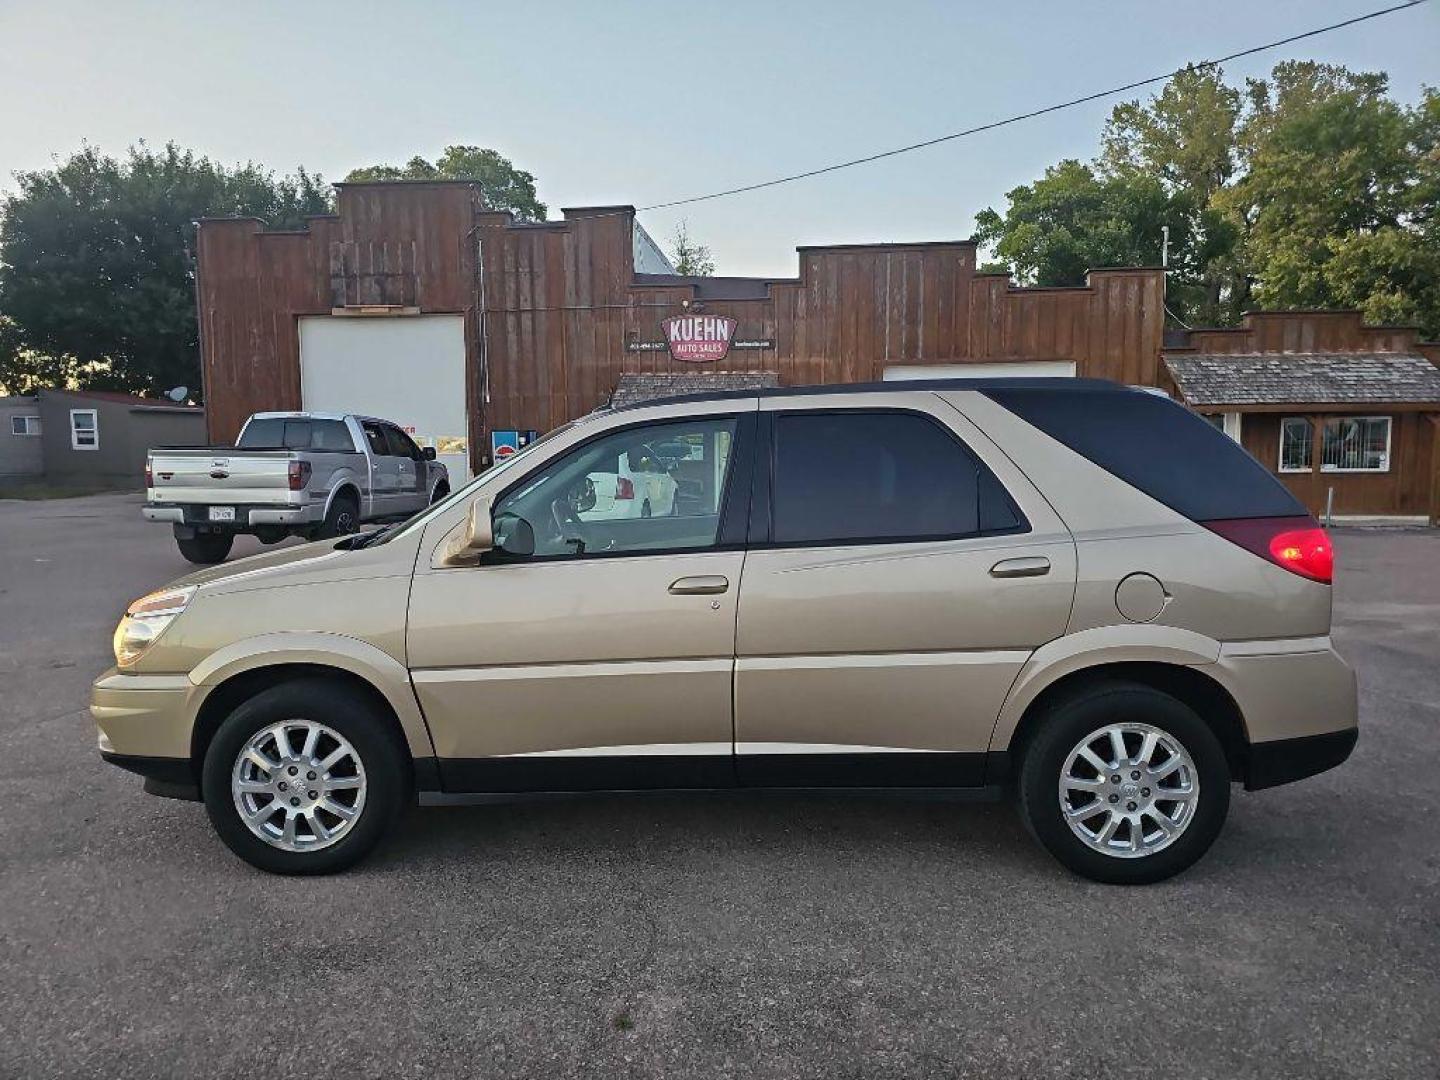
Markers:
point(24, 425)
point(1356, 444)
point(1297, 437)
point(84, 429)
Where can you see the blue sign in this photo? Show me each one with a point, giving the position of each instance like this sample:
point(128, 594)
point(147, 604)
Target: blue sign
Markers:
point(504, 444)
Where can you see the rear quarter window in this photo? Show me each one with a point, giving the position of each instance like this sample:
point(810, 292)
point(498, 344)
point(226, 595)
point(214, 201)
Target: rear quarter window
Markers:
point(1157, 446)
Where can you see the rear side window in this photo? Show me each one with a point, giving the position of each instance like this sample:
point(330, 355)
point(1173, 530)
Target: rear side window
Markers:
point(275, 432)
point(1157, 446)
point(868, 476)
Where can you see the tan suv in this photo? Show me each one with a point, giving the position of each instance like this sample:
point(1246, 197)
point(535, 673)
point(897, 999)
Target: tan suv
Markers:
point(1073, 590)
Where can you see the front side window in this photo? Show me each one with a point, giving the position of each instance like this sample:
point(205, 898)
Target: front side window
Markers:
point(1297, 438)
point(1356, 444)
point(401, 445)
point(854, 477)
point(84, 429)
point(617, 494)
point(25, 425)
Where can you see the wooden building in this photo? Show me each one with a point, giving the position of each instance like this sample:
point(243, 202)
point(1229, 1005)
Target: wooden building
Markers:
point(416, 301)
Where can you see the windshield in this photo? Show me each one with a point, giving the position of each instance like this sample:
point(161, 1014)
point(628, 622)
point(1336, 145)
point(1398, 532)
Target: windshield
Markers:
point(418, 521)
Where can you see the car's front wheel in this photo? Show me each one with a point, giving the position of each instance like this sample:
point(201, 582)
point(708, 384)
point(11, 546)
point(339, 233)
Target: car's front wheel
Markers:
point(1124, 784)
point(304, 778)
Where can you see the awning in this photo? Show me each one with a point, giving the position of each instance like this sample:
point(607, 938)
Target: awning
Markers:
point(1342, 379)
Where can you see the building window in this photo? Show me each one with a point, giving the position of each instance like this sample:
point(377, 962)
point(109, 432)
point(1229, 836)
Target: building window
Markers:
point(24, 425)
point(1297, 437)
point(84, 429)
point(1356, 444)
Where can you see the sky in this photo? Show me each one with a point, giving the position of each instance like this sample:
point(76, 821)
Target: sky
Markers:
point(639, 103)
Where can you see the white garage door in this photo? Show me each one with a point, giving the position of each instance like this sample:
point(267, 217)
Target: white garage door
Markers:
point(409, 369)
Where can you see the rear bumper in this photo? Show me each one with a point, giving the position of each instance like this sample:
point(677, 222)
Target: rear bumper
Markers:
point(1286, 760)
point(196, 515)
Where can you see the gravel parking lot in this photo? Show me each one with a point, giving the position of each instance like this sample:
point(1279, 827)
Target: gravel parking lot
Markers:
point(703, 936)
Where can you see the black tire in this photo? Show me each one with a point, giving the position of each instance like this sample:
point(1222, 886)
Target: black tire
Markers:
point(342, 518)
point(381, 750)
point(1069, 721)
point(645, 510)
point(442, 490)
point(206, 549)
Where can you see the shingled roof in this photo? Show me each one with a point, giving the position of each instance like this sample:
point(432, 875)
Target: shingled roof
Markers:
point(635, 388)
point(1304, 378)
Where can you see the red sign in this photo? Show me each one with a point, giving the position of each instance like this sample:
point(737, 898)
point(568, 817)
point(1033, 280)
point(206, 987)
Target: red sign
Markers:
point(699, 339)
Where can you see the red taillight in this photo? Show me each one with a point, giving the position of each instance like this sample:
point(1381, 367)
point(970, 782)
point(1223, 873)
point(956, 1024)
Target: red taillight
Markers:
point(149, 476)
point(299, 475)
point(1296, 543)
point(624, 489)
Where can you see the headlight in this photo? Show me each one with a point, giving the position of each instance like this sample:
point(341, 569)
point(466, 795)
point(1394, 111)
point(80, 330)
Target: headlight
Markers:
point(145, 620)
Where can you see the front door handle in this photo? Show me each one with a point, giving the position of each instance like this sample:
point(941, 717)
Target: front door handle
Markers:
point(701, 584)
point(1034, 566)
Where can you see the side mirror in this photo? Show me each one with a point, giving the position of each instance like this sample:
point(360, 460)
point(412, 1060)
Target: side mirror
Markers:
point(474, 539)
point(429, 452)
point(514, 535)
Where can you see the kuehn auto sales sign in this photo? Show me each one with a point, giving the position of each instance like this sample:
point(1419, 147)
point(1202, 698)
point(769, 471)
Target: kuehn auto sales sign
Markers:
point(699, 339)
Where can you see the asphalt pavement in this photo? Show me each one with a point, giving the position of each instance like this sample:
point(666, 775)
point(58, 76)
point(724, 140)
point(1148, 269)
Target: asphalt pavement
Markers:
point(695, 936)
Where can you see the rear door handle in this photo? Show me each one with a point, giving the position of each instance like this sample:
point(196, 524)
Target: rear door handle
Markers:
point(701, 584)
point(1033, 566)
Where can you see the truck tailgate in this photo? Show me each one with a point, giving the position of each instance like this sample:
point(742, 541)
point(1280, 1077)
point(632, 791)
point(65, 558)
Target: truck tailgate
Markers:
point(221, 476)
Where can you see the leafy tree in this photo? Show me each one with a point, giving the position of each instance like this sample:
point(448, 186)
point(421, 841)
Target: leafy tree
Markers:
point(1073, 219)
point(504, 186)
point(690, 258)
point(96, 283)
point(1338, 198)
point(1311, 188)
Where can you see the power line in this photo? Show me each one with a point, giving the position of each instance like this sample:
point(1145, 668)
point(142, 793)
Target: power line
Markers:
point(1033, 113)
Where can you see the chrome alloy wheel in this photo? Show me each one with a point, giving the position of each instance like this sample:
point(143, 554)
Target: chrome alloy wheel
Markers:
point(298, 785)
point(1129, 790)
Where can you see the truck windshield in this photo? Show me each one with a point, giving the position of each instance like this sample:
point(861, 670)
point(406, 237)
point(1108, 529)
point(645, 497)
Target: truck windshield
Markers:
point(279, 432)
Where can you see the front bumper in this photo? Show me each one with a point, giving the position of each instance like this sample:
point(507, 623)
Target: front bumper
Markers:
point(144, 723)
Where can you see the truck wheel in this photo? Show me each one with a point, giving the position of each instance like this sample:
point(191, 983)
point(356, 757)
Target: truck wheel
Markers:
point(305, 778)
point(442, 490)
point(206, 548)
point(1124, 784)
point(342, 517)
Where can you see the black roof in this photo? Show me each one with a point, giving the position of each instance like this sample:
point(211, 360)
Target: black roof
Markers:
point(1013, 382)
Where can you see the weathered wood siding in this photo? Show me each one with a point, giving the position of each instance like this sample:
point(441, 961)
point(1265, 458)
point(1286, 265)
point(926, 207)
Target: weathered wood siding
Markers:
point(1404, 489)
point(558, 304)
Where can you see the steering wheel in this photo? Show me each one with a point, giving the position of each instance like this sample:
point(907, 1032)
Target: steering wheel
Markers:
point(569, 528)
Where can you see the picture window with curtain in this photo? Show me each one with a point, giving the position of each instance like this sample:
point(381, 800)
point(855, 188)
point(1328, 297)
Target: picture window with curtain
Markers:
point(1297, 440)
point(1356, 444)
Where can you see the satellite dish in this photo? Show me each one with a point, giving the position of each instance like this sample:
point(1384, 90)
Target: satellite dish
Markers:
point(180, 393)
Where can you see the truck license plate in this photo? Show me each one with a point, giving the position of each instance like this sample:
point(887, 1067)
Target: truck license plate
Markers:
point(222, 513)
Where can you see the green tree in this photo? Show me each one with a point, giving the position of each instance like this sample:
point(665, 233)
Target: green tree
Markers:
point(504, 186)
point(96, 282)
point(1073, 219)
point(1187, 137)
point(1337, 202)
point(690, 258)
point(1312, 188)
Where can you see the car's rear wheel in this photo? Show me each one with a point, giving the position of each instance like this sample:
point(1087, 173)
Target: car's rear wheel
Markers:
point(1124, 784)
point(304, 778)
point(343, 517)
point(206, 548)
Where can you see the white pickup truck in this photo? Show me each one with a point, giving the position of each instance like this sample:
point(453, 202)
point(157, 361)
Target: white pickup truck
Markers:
point(290, 474)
